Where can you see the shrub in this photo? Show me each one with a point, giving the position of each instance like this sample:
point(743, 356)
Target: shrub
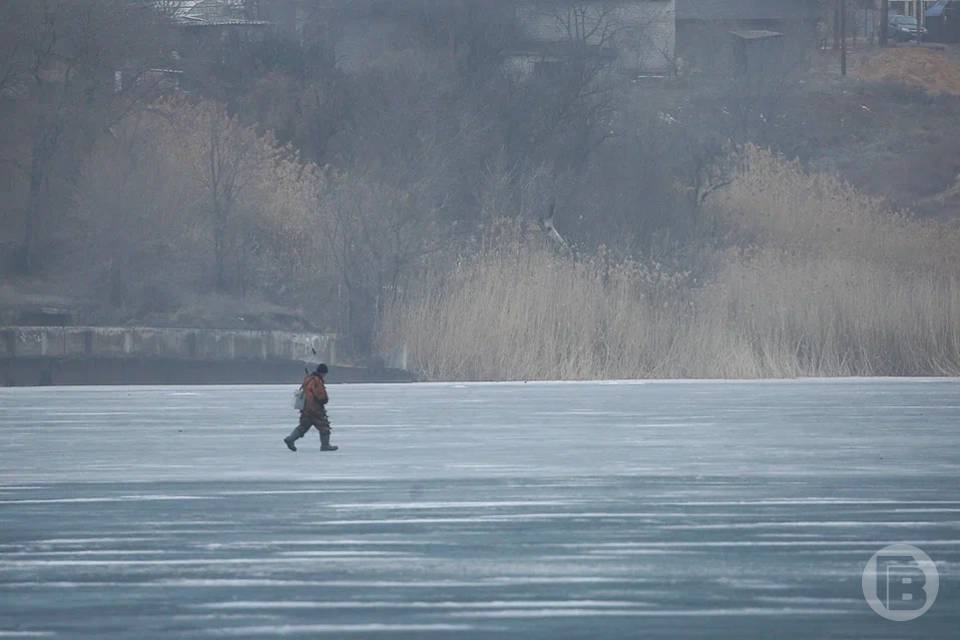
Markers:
point(821, 280)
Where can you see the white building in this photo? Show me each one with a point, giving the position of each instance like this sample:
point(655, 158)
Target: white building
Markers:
point(909, 7)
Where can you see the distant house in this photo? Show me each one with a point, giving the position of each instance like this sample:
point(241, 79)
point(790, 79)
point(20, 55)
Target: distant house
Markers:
point(632, 36)
point(206, 32)
point(213, 14)
point(943, 21)
point(212, 23)
point(909, 7)
point(635, 37)
point(709, 33)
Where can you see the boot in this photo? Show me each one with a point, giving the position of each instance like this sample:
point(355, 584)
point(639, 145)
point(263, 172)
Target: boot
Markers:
point(325, 442)
point(290, 439)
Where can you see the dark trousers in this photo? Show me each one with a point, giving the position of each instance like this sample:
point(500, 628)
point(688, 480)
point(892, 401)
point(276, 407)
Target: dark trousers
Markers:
point(313, 419)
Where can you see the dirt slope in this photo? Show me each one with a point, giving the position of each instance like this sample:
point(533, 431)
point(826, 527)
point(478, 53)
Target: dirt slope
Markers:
point(933, 67)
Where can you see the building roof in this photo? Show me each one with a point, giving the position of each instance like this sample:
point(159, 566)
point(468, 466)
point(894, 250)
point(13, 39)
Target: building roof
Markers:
point(938, 9)
point(747, 9)
point(208, 13)
point(756, 34)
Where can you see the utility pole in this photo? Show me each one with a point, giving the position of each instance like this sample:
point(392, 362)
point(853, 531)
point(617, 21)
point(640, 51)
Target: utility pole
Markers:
point(921, 14)
point(843, 37)
point(836, 25)
point(884, 19)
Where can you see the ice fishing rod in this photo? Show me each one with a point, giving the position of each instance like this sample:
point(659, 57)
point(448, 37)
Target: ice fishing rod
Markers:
point(305, 369)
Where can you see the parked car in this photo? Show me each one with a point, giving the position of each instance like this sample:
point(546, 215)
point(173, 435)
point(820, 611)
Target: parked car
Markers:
point(904, 28)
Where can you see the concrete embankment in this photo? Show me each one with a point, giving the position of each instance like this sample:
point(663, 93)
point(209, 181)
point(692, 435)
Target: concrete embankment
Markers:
point(153, 355)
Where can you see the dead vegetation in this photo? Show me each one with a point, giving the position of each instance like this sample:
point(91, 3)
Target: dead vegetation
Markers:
point(818, 279)
point(355, 199)
point(934, 69)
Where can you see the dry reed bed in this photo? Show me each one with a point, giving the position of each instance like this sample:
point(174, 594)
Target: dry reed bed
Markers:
point(822, 281)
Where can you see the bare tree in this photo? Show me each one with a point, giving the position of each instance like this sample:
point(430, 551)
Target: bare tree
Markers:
point(134, 208)
point(569, 104)
point(229, 163)
point(63, 57)
point(178, 184)
point(379, 235)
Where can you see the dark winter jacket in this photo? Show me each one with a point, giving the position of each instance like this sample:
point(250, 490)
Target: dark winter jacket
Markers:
point(315, 394)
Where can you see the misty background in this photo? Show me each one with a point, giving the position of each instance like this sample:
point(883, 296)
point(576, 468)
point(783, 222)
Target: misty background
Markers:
point(507, 190)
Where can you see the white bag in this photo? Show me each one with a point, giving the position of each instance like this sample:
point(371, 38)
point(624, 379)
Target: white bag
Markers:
point(299, 399)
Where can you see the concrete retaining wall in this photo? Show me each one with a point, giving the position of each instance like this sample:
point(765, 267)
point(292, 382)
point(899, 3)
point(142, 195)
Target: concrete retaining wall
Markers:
point(42, 371)
point(206, 345)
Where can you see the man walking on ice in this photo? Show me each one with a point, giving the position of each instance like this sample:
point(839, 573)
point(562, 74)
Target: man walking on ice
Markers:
point(314, 412)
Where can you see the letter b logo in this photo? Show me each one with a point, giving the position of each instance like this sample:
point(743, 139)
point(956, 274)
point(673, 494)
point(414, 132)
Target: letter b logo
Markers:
point(900, 582)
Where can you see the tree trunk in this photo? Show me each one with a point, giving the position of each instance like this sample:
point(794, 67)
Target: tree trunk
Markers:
point(219, 249)
point(44, 146)
point(884, 17)
point(26, 257)
point(836, 25)
point(843, 37)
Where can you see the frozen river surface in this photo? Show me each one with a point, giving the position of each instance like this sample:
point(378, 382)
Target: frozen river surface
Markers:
point(595, 510)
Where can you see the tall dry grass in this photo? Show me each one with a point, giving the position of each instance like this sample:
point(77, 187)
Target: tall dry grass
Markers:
point(820, 280)
point(522, 312)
